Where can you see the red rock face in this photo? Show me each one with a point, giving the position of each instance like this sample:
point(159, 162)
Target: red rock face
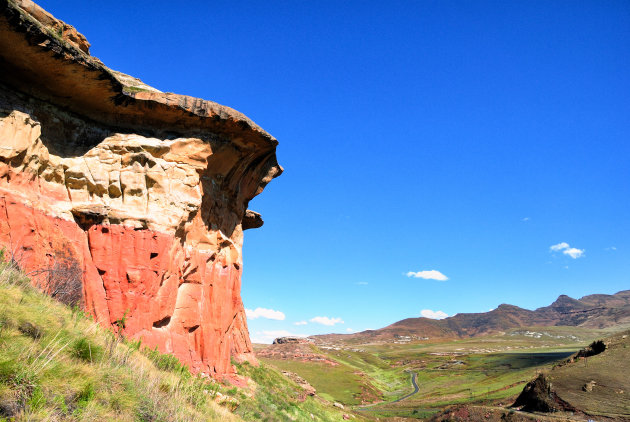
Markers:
point(144, 231)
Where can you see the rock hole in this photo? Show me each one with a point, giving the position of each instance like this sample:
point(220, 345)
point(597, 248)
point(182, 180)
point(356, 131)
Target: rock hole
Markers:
point(101, 272)
point(104, 230)
point(237, 266)
point(193, 328)
point(86, 217)
point(154, 255)
point(162, 323)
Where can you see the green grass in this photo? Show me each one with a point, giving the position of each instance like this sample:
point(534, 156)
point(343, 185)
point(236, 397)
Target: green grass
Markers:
point(58, 364)
point(393, 383)
point(134, 89)
point(335, 383)
point(279, 400)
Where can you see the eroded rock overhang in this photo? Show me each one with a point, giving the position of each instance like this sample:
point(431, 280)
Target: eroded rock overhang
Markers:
point(136, 198)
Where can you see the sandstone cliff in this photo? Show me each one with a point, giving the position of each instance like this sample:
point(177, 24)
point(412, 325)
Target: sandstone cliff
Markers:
point(127, 200)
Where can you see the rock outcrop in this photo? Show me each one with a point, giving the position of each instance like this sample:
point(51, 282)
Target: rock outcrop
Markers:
point(291, 340)
point(127, 200)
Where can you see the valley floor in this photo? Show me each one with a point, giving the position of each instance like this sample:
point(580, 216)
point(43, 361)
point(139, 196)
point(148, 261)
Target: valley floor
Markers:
point(420, 379)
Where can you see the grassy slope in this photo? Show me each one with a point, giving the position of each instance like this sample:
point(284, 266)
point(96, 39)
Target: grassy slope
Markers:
point(609, 370)
point(359, 378)
point(334, 383)
point(57, 364)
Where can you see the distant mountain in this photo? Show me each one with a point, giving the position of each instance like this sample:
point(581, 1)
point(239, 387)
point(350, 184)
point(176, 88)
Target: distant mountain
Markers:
point(592, 311)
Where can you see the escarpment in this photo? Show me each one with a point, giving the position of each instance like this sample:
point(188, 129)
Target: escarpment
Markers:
point(121, 198)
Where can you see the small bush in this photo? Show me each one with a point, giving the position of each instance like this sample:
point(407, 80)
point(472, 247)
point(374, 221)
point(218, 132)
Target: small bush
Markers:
point(134, 345)
point(85, 350)
point(166, 362)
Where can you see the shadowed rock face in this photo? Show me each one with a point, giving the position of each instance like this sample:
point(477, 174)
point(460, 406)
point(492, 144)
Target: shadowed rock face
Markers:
point(127, 200)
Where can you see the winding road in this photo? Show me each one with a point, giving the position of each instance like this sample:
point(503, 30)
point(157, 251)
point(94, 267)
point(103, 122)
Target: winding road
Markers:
point(414, 382)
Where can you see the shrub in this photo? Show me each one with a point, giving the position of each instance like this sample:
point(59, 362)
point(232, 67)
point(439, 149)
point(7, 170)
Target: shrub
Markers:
point(166, 362)
point(85, 350)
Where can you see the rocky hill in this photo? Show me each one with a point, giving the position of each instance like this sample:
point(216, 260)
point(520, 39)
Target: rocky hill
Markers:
point(594, 382)
point(593, 311)
point(123, 199)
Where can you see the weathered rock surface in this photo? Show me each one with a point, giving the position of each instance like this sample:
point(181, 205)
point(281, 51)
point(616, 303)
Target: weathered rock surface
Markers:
point(127, 200)
point(303, 351)
point(309, 390)
point(291, 340)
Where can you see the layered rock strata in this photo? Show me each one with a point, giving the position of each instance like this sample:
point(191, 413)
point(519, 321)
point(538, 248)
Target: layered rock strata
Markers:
point(121, 198)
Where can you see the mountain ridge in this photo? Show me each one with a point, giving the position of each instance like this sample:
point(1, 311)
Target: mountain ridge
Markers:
point(592, 311)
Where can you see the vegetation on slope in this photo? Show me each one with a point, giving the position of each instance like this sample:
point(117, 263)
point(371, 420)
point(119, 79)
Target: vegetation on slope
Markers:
point(58, 364)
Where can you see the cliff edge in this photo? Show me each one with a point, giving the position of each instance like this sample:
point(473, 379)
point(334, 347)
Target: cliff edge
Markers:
point(123, 199)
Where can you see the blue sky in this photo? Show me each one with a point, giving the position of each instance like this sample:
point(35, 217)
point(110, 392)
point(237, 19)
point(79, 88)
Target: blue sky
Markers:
point(466, 138)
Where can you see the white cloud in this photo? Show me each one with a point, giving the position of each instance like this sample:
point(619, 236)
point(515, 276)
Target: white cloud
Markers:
point(264, 313)
point(300, 323)
point(612, 248)
point(349, 330)
point(428, 313)
point(559, 246)
point(525, 219)
point(361, 283)
point(327, 321)
point(266, 337)
point(428, 275)
point(574, 253)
